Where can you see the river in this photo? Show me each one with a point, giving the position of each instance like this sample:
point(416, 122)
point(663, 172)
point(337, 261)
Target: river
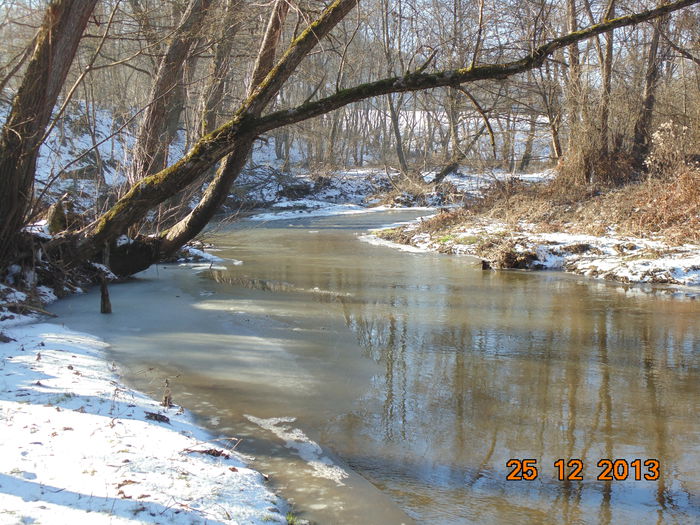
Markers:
point(377, 386)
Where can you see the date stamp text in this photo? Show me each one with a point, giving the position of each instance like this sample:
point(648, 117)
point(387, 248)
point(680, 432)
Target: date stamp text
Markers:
point(573, 469)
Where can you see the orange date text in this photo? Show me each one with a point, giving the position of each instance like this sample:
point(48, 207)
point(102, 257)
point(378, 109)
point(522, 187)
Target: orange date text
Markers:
point(573, 469)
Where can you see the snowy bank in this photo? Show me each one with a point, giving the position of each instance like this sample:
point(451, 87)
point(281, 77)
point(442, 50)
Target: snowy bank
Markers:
point(77, 445)
point(616, 258)
point(371, 190)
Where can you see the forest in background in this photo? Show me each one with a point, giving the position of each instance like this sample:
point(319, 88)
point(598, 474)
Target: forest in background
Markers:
point(175, 87)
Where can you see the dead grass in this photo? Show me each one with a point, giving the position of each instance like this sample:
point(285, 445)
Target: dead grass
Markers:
point(667, 209)
point(445, 220)
point(670, 208)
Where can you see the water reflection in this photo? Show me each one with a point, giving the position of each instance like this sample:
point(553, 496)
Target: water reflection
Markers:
point(526, 370)
point(478, 368)
point(427, 375)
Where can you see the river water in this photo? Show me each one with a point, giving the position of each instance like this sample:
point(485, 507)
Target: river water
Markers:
point(340, 362)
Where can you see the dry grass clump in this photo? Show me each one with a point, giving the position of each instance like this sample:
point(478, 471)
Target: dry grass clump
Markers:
point(670, 208)
point(411, 191)
point(502, 253)
point(582, 170)
point(445, 220)
point(397, 235)
point(670, 147)
point(669, 202)
point(405, 190)
point(591, 196)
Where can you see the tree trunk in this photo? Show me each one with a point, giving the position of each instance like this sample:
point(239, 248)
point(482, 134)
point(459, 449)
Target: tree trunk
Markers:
point(454, 165)
point(157, 130)
point(607, 85)
point(23, 132)
point(527, 154)
point(212, 96)
point(396, 130)
point(231, 167)
point(574, 91)
point(640, 147)
point(453, 120)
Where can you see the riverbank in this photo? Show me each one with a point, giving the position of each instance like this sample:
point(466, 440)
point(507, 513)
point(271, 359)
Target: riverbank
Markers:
point(642, 233)
point(80, 445)
point(623, 259)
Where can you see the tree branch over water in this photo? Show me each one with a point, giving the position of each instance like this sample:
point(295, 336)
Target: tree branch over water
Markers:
point(420, 81)
point(237, 134)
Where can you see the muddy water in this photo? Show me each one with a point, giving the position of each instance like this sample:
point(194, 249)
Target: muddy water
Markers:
point(422, 374)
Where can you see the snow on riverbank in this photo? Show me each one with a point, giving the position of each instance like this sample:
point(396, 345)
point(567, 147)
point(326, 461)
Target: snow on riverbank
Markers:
point(355, 191)
point(306, 208)
point(79, 446)
point(611, 257)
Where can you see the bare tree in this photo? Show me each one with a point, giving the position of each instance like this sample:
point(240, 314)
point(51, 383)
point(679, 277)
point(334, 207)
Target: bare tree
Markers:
point(256, 115)
point(653, 70)
point(53, 50)
point(162, 116)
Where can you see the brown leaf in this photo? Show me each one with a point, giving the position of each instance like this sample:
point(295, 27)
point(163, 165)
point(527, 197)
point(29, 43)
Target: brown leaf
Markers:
point(157, 417)
point(126, 482)
point(211, 452)
point(6, 339)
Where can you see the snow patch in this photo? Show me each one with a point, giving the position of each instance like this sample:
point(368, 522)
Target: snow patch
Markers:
point(307, 449)
point(79, 446)
point(614, 258)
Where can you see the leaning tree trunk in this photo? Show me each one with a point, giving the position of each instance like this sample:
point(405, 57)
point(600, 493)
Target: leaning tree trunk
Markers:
point(233, 164)
point(231, 167)
point(23, 132)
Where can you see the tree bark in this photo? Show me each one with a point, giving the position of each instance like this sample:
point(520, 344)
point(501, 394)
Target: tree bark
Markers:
point(574, 87)
point(231, 167)
point(213, 93)
point(452, 119)
point(640, 147)
point(607, 84)
point(157, 130)
point(529, 142)
point(23, 132)
point(398, 140)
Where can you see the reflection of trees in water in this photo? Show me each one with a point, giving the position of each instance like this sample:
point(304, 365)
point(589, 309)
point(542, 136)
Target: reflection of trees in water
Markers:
point(271, 285)
point(507, 368)
point(584, 375)
point(251, 283)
